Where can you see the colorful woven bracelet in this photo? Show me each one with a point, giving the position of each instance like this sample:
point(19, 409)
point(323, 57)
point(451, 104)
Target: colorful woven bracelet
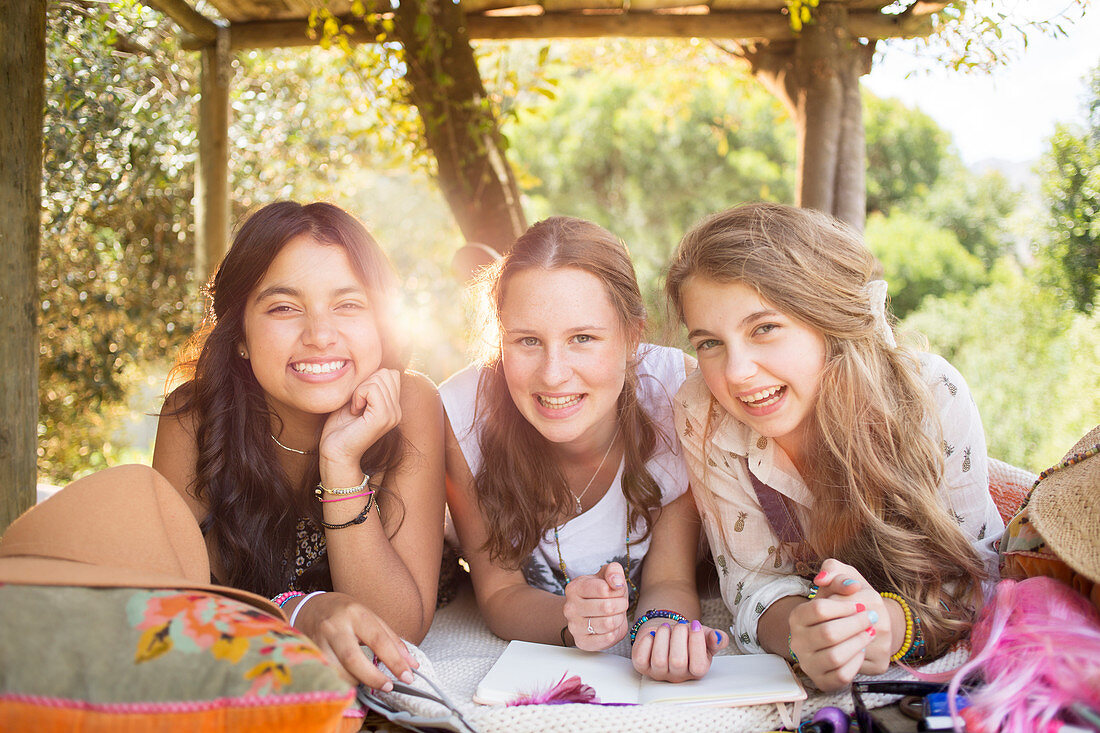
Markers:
point(344, 492)
point(790, 652)
point(652, 614)
point(281, 599)
point(813, 592)
point(362, 516)
point(907, 642)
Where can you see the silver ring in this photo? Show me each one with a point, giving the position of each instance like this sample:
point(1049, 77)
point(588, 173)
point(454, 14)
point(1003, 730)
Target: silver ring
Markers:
point(590, 629)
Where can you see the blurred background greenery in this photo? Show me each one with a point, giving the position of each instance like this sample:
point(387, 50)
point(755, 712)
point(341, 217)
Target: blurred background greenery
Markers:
point(999, 274)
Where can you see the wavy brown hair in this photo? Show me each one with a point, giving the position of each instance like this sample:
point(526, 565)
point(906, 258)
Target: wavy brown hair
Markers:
point(519, 486)
point(874, 463)
point(252, 506)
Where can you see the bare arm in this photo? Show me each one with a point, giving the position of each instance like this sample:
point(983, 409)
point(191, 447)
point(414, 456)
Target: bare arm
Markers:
point(396, 576)
point(512, 608)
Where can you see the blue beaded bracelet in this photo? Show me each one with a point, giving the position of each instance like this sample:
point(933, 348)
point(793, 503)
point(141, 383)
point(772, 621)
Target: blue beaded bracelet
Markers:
point(652, 614)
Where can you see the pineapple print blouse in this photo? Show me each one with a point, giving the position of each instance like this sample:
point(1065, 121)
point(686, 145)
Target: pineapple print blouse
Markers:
point(752, 570)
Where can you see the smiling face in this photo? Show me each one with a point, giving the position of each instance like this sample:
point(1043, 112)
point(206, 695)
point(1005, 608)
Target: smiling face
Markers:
point(763, 366)
point(564, 351)
point(309, 331)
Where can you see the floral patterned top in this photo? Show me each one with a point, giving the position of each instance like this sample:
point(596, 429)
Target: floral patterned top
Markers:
point(753, 571)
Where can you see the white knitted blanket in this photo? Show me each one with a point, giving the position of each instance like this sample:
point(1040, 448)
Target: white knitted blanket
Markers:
point(460, 649)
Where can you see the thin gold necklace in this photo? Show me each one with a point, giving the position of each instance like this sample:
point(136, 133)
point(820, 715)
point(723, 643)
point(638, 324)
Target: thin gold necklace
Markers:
point(293, 450)
point(577, 497)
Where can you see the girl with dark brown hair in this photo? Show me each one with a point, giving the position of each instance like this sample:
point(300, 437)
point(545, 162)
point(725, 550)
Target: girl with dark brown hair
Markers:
point(311, 458)
point(842, 478)
point(563, 469)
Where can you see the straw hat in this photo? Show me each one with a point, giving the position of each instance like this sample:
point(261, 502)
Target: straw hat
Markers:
point(1065, 509)
point(124, 527)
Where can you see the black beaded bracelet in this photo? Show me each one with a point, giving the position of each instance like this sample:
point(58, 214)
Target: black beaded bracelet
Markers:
point(362, 517)
point(652, 614)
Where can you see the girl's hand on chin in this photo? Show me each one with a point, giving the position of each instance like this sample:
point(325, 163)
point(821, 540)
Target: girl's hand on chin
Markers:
point(372, 411)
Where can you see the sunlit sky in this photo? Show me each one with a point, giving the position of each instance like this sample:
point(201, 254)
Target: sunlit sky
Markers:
point(1009, 114)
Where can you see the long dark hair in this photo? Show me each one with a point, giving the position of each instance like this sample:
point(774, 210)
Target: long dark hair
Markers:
point(519, 485)
point(253, 508)
point(874, 463)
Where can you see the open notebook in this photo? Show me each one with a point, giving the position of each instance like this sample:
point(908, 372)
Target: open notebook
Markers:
point(733, 680)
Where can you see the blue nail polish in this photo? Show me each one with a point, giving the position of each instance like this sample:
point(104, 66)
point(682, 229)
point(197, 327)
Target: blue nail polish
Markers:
point(682, 622)
point(652, 633)
point(718, 635)
point(849, 581)
point(872, 616)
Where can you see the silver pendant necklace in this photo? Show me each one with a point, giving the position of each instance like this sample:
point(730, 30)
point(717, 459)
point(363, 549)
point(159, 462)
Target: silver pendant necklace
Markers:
point(577, 497)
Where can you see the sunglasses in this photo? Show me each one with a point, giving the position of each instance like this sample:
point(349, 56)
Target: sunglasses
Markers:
point(451, 720)
point(868, 723)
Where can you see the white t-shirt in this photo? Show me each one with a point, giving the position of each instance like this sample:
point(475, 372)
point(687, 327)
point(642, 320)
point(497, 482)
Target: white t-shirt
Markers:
point(598, 536)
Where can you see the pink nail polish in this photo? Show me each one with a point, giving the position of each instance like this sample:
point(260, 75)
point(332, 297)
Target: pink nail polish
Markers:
point(871, 630)
point(696, 626)
point(819, 578)
point(860, 608)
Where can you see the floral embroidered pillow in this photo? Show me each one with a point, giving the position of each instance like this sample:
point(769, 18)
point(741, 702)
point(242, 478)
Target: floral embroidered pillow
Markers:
point(126, 659)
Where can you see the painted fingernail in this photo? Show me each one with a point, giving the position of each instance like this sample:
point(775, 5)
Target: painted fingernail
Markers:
point(652, 633)
point(718, 635)
point(682, 621)
point(872, 616)
point(871, 630)
point(849, 581)
point(666, 626)
point(407, 677)
point(820, 577)
point(860, 608)
point(696, 626)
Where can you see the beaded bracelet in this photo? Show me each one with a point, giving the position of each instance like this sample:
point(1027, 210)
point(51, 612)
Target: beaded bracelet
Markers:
point(907, 642)
point(916, 650)
point(301, 604)
point(321, 489)
point(652, 614)
point(281, 599)
point(362, 516)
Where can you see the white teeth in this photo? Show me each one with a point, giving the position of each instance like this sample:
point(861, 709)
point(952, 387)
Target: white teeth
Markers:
point(558, 403)
point(324, 368)
point(763, 394)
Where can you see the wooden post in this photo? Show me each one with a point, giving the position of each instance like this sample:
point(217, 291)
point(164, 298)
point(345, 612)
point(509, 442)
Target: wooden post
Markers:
point(212, 181)
point(22, 74)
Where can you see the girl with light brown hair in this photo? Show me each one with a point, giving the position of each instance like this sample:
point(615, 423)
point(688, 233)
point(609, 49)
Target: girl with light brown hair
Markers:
point(841, 478)
point(563, 468)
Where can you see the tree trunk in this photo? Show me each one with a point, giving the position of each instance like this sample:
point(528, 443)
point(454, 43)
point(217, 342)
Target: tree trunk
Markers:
point(459, 125)
point(22, 70)
point(816, 75)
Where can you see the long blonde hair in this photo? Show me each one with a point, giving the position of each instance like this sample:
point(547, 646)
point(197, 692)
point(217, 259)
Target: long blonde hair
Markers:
point(874, 461)
point(520, 485)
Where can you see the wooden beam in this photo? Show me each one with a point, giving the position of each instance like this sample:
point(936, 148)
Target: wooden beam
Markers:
point(763, 26)
point(22, 71)
point(212, 181)
point(204, 30)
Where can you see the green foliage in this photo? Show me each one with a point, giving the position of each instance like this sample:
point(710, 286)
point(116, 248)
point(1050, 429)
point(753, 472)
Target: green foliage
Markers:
point(646, 138)
point(1071, 187)
point(920, 260)
point(117, 181)
point(906, 151)
point(978, 208)
point(1032, 366)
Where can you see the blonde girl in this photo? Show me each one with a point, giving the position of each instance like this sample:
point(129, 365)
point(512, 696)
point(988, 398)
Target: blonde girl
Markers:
point(842, 479)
